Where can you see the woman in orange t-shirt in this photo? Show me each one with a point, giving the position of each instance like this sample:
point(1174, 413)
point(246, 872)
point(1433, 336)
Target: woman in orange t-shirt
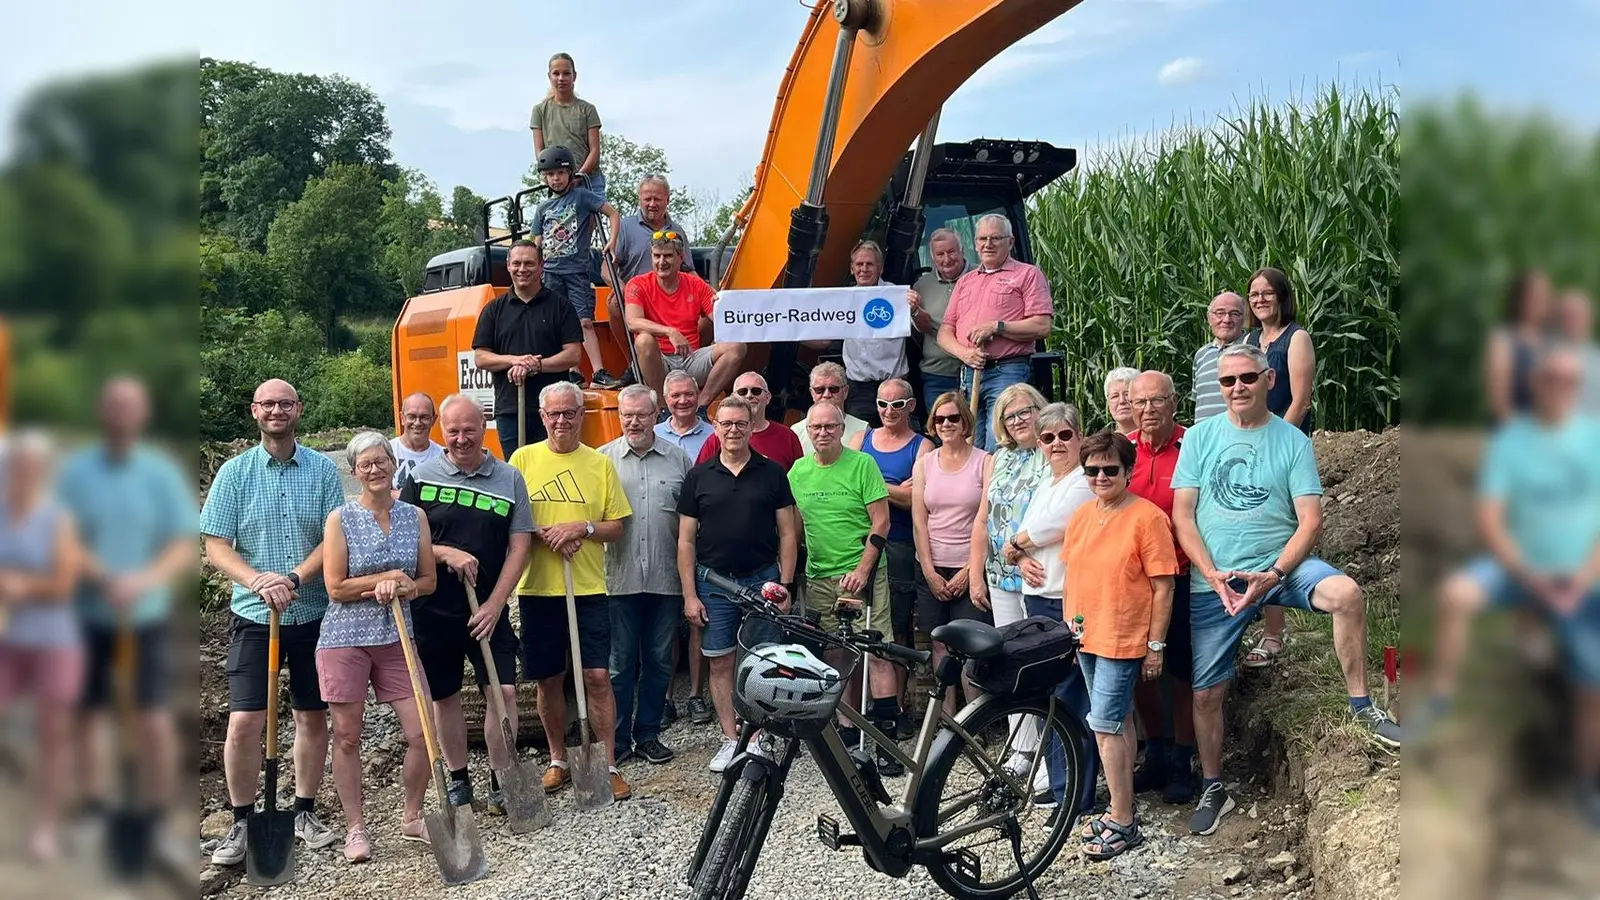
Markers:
point(1120, 564)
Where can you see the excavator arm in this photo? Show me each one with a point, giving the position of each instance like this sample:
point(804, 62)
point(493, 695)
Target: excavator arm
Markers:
point(905, 59)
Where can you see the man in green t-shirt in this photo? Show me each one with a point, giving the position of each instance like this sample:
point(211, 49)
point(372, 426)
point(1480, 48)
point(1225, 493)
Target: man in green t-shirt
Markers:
point(841, 498)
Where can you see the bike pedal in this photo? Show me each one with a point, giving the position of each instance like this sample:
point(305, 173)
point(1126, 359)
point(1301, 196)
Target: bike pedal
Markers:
point(966, 864)
point(828, 831)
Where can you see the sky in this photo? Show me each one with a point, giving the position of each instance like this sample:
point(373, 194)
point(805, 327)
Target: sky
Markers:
point(698, 78)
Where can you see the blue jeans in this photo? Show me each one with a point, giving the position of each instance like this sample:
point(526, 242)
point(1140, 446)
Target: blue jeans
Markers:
point(643, 628)
point(995, 380)
point(1216, 634)
point(932, 387)
point(720, 636)
point(1577, 634)
point(1074, 696)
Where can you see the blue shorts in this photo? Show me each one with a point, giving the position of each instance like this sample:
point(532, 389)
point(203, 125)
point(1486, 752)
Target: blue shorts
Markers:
point(1578, 634)
point(1111, 683)
point(721, 633)
point(576, 287)
point(1216, 634)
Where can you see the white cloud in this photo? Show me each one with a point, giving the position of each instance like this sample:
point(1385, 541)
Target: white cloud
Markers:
point(1181, 71)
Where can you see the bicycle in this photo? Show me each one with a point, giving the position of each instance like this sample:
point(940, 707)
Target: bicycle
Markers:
point(920, 828)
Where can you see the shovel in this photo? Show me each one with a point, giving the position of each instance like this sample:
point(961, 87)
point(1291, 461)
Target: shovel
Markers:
point(591, 770)
point(452, 830)
point(128, 829)
point(269, 832)
point(526, 809)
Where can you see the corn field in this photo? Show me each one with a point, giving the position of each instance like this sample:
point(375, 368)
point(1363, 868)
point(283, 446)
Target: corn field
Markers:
point(1138, 240)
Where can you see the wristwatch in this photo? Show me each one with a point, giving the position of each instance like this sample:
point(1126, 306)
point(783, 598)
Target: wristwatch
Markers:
point(1278, 572)
point(1156, 646)
point(294, 579)
point(588, 529)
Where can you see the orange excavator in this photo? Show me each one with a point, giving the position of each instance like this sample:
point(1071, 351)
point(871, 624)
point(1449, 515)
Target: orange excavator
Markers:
point(867, 80)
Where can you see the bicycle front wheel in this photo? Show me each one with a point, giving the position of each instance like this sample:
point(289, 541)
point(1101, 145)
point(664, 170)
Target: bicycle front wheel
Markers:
point(720, 877)
point(985, 820)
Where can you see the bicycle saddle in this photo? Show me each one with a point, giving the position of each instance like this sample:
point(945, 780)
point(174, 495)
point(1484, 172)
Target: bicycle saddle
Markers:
point(969, 638)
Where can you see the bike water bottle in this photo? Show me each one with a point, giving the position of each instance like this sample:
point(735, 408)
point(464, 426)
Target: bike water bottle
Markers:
point(1076, 626)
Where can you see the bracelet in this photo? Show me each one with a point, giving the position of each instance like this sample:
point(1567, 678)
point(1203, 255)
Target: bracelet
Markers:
point(1278, 572)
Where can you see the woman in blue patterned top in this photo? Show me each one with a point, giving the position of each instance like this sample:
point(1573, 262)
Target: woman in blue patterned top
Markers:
point(376, 552)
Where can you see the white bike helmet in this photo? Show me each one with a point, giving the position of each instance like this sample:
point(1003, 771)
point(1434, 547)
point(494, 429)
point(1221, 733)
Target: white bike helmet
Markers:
point(786, 681)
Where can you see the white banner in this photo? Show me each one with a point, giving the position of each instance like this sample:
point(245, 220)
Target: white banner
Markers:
point(812, 314)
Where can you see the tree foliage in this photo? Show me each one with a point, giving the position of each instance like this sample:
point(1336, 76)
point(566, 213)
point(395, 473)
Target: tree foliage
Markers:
point(325, 248)
point(625, 164)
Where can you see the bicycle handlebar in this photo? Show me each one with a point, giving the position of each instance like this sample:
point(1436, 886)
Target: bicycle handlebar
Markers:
point(753, 602)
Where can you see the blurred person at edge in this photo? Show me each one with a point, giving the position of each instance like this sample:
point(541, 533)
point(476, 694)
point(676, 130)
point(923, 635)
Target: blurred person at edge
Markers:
point(136, 517)
point(1118, 382)
point(41, 650)
point(279, 482)
point(1539, 515)
point(1577, 327)
point(1508, 368)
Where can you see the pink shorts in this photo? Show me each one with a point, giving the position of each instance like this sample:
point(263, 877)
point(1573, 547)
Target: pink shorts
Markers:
point(51, 674)
point(343, 674)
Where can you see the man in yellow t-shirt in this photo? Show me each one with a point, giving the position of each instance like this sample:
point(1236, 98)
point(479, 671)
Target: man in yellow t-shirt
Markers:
point(578, 506)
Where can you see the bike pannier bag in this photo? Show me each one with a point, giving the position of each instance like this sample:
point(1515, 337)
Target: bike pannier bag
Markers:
point(1037, 656)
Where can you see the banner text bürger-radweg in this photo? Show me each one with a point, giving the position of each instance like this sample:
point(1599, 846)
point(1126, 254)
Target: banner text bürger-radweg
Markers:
point(812, 314)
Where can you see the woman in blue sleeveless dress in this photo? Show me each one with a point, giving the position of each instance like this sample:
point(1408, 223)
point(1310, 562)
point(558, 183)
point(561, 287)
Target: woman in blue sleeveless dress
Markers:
point(376, 553)
point(41, 652)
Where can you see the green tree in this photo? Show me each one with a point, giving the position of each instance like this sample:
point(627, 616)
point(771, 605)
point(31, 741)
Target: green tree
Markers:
point(711, 230)
point(413, 228)
point(625, 164)
point(326, 250)
point(466, 209)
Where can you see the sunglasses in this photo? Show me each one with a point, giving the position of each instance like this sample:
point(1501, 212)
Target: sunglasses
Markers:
point(946, 420)
point(894, 404)
point(1097, 471)
point(827, 389)
point(1050, 437)
point(668, 235)
point(750, 391)
point(1247, 377)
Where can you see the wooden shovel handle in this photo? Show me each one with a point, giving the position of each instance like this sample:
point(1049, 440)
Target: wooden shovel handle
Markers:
point(272, 681)
point(423, 711)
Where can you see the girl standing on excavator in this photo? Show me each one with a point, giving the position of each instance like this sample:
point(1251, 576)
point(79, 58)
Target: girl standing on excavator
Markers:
point(563, 119)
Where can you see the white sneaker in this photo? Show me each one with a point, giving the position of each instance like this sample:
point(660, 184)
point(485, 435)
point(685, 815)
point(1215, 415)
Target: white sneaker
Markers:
point(231, 851)
point(309, 828)
point(719, 763)
point(1018, 764)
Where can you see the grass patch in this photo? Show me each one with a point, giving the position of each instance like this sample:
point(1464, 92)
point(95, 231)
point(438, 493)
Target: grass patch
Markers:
point(1354, 798)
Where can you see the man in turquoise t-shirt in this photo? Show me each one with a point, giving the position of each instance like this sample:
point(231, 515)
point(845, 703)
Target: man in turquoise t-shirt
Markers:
point(1539, 512)
point(1247, 508)
point(137, 520)
point(841, 498)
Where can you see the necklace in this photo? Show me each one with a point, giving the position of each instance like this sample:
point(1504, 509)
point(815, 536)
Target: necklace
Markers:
point(1107, 512)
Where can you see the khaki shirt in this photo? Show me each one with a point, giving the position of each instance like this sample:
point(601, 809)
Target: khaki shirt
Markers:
point(566, 126)
point(935, 294)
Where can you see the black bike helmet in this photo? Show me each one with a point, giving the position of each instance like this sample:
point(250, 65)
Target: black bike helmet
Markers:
point(552, 158)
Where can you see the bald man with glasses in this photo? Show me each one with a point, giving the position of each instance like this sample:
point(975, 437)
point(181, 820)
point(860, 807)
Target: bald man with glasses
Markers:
point(767, 438)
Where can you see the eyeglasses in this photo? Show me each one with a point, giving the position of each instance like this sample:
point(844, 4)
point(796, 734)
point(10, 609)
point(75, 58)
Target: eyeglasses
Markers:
point(1050, 437)
point(827, 389)
point(1247, 377)
point(636, 417)
point(992, 238)
point(946, 420)
point(826, 426)
point(735, 424)
point(284, 405)
point(1019, 415)
point(1147, 402)
point(374, 465)
point(1097, 471)
point(750, 391)
point(894, 404)
point(561, 415)
point(668, 235)
point(413, 417)
point(1227, 314)
point(1262, 295)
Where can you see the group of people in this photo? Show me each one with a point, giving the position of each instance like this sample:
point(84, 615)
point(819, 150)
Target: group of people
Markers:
point(91, 549)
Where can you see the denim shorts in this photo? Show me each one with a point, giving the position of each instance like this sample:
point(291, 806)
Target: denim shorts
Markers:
point(1578, 634)
point(576, 287)
point(721, 634)
point(1111, 683)
point(1216, 635)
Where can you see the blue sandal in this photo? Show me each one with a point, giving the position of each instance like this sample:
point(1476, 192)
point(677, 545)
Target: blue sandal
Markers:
point(1114, 840)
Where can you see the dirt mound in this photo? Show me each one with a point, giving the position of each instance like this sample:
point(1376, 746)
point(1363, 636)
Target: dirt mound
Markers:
point(1361, 506)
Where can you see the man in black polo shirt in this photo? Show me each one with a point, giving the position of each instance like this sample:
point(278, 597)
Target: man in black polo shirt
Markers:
point(735, 517)
point(526, 338)
point(481, 522)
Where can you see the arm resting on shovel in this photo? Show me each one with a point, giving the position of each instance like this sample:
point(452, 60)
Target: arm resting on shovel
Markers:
point(54, 585)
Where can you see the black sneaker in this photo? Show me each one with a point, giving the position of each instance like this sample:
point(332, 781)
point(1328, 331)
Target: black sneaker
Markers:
point(1152, 776)
point(888, 766)
point(459, 793)
point(699, 711)
point(624, 754)
point(1215, 803)
point(605, 380)
point(1045, 799)
point(1054, 817)
point(669, 714)
point(654, 752)
point(904, 728)
point(1179, 789)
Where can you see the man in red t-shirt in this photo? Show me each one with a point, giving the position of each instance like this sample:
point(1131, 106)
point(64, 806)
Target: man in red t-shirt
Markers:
point(1168, 752)
point(770, 439)
point(664, 311)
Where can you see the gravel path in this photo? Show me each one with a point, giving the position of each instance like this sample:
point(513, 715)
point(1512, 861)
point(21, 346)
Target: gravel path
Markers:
point(638, 849)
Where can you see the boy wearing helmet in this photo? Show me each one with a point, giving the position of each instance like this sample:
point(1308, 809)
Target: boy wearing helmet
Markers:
point(563, 226)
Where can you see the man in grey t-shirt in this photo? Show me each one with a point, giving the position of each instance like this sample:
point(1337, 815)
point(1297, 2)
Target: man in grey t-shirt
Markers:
point(929, 297)
point(632, 255)
point(1225, 316)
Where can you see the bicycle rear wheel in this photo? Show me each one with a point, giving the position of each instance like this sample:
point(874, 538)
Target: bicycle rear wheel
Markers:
point(962, 787)
point(720, 877)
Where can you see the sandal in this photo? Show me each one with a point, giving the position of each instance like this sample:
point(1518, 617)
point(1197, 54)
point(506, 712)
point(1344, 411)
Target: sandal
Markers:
point(1114, 840)
point(1260, 656)
point(1097, 824)
point(357, 847)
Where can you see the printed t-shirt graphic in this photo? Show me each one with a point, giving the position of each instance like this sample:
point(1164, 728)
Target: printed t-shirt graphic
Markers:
point(581, 486)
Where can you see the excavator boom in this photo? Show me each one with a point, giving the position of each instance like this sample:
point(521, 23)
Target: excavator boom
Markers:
point(909, 57)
